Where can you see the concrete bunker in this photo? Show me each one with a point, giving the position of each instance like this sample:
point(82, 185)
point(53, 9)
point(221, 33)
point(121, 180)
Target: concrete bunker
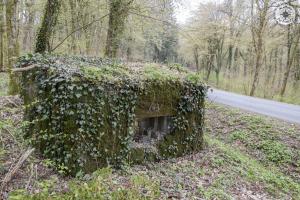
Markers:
point(87, 113)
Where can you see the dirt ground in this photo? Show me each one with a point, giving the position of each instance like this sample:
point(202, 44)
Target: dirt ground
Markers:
point(246, 156)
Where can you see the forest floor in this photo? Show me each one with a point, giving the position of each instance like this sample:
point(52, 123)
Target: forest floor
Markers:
point(246, 156)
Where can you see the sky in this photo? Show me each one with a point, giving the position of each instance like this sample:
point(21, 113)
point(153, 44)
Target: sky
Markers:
point(185, 10)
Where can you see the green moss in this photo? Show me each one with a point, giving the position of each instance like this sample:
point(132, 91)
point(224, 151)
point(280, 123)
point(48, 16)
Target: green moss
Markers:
point(194, 78)
point(140, 155)
point(155, 72)
point(106, 72)
point(178, 67)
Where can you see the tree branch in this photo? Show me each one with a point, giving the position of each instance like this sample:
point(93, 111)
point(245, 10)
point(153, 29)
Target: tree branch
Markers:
point(20, 70)
point(166, 22)
point(78, 29)
point(14, 170)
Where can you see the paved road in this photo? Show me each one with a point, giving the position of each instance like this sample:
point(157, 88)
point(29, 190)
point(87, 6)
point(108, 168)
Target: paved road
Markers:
point(284, 111)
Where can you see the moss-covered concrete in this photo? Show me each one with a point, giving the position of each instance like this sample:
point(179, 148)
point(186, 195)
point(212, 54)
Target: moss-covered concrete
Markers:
point(83, 111)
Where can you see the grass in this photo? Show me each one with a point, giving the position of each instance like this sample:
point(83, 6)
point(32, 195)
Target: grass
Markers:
point(254, 171)
point(245, 156)
point(271, 142)
point(102, 186)
point(3, 84)
point(144, 185)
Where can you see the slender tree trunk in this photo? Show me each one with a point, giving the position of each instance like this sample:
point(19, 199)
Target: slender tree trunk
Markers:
point(269, 68)
point(28, 29)
point(257, 67)
point(98, 38)
point(245, 62)
point(231, 46)
point(13, 50)
point(235, 61)
point(88, 34)
point(196, 57)
point(2, 32)
point(275, 67)
point(257, 38)
point(130, 41)
point(280, 69)
point(13, 43)
point(219, 58)
point(210, 66)
point(72, 4)
point(296, 83)
point(48, 23)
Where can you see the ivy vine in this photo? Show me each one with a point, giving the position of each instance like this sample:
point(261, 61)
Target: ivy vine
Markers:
point(82, 111)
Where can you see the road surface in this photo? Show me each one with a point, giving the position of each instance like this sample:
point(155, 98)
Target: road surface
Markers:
point(283, 111)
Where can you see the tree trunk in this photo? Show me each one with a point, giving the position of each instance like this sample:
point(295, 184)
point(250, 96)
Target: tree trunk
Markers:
point(217, 78)
point(257, 67)
point(13, 43)
point(257, 38)
point(231, 32)
point(130, 41)
point(210, 66)
point(48, 23)
point(292, 50)
point(275, 68)
point(280, 69)
point(28, 29)
point(235, 65)
point(297, 70)
point(72, 4)
point(2, 32)
point(118, 13)
point(196, 57)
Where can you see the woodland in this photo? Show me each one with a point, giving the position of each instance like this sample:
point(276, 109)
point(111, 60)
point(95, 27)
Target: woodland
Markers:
point(235, 45)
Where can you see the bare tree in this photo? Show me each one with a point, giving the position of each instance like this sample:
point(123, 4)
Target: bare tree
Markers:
point(292, 45)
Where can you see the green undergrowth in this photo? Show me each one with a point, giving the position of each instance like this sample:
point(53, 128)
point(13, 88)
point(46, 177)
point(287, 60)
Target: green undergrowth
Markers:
point(178, 67)
point(102, 186)
point(273, 150)
point(270, 142)
point(226, 167)
point(243, 165)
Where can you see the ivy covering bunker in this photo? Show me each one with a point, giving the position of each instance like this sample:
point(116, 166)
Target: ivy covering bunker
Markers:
point(85, 113)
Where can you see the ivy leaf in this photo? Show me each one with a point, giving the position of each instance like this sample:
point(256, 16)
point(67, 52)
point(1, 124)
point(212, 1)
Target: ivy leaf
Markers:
point(71, 87)
point(78, 95)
